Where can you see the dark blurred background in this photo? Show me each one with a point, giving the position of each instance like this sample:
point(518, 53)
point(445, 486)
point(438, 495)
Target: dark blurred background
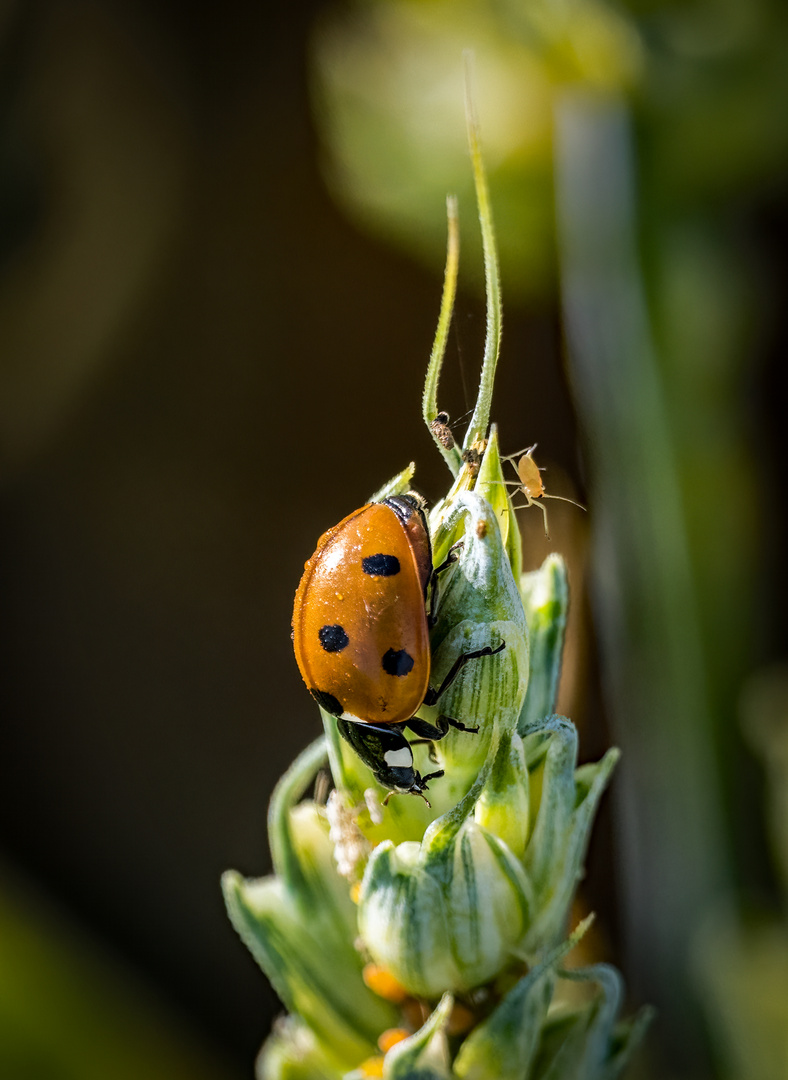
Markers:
point(205, 362)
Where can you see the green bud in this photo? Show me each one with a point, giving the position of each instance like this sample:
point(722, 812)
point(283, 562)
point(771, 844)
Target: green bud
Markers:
point(545, 594)
point(292, 1052)
point(491, 485)
point(586, 1043)
point(313, 973)
point(503, 806)
point(479, 605)
point(425, 1055)
point(506, 1042)
point(567, 803)
point(444, 914)
point(301, 925)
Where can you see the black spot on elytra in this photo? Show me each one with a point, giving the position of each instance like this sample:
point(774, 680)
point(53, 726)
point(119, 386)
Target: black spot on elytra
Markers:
point(380, 565)
point(397, 662)
point(333, 638)
point(327, 701)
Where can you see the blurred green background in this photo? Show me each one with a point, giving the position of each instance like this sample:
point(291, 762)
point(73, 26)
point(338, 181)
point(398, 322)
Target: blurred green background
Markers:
point(222, 235)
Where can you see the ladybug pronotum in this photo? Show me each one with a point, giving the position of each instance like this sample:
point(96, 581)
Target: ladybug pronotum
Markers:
point(361, 636)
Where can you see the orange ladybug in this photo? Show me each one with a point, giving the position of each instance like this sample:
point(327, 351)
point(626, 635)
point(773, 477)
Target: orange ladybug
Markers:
point(361, 635)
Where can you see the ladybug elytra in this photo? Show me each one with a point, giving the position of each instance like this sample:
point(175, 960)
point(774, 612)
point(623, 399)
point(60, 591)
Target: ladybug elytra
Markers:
point(361, 636)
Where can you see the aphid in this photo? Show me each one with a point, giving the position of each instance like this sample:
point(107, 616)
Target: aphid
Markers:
point(442, 432)
point(361, 636)
point(529, 482)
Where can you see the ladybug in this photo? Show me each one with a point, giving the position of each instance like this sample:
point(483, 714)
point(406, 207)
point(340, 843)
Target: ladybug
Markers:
point(361, 636)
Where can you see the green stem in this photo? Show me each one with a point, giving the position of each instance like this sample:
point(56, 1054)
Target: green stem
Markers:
point(477, 429)
point(429, 403)
point(671, 823)
point(290, 789)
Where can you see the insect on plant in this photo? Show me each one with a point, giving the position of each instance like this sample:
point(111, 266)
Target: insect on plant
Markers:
point(529, 483)
point(361, 636)
point(441, 430)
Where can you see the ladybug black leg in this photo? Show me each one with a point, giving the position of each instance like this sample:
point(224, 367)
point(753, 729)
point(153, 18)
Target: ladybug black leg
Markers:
point(452, 557)
point(449, 721)
point(436, 731)
point(431, 697)
point(426, 742)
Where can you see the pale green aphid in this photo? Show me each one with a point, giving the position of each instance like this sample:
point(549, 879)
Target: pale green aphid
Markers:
point(529, 483)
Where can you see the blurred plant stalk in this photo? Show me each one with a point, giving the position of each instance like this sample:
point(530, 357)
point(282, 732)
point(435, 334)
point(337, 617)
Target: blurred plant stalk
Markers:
point(740, 958)
point(669, 813)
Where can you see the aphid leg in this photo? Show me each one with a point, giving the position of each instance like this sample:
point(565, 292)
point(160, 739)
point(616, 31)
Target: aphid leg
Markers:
point(532, 502)
point(505, 509)
point(431, 697)
point(543, 508)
